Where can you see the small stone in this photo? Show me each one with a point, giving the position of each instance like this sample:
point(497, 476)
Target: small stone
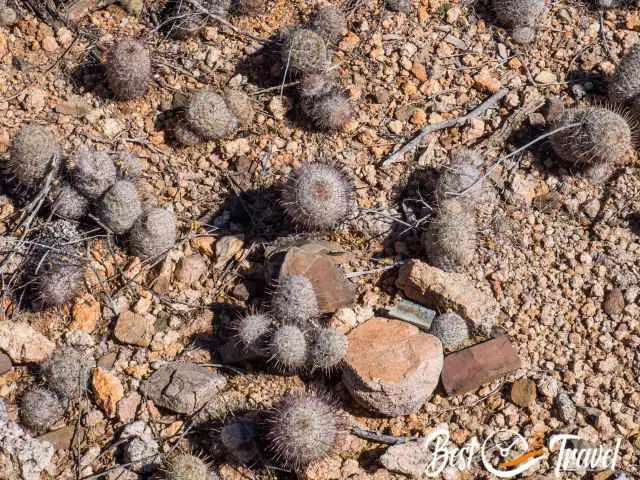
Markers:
point(523, 392)
point(8, 17)
point(49, 44)
point(413, 313)
point(546, 77)
point(108, 390)
point(190, 269)
point(412, 458)
point(141, 449)
point(128, 406)
point(237, 147)
point(419, 71)
point(486, 82)
point(135, 329)
point(391, 367)
point(85, 313)
point(614, 302)
point(472, 367)
point(565, 408)
point(30, 455)
point(279, 106)
point(133, 7)
point(418, 117)
point(5, 364)
point(395, 126)
point(35, 100)
point(227, 248)
point(23, 344)
point(548, 387)
point(204, 245)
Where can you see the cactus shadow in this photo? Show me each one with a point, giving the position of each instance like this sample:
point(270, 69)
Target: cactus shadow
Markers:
point(263, 67)
point(89, 75)
point(634, 222)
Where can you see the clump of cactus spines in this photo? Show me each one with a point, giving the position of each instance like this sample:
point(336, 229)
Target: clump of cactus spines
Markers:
point(69, 203)
point(451, 329)
point(240, 105)
point(600, 136)
point(317, 196)
point(128, 167)
point(40, 409)
point(58, 285)
point(302, 429)
point(153, 233)
point(294, 300)
point(304, 51)
point(239, 441)
point(93, 173)
point(120, 207)
point(520, 14)
point(328, 349)
point(288, 348)
point(208, 115)
point(186, 467)
point(461, 175)
point(625, 84)
point(450, 239)
point(128, 69)
point(34, 153)
point(252, 330)
point(331, 111)
point(67, 371)
point(183, 134)
point(399, 5)
point(330, 23)
point(315, 85)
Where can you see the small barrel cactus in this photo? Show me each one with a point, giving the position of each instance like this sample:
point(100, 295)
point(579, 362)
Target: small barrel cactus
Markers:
point(461, 174)
point(288, 348)
point(252, 330)
point(239, 441)
point(34, 153)
point(601, 136)
point(329, 112)
point(120, 207)
point(403, 6)
point(304, 51)
point(153, 234)
point(209, 117)
point(93, 173)
point(315, 85)
point(185, 467)
point(40, 409)
point(183, 19)
point(58, 285)
point(67, 372)
point(68, 203)
point(328, 349)
point(317, 196)
point(240, 106)
point(452, 330)
point(625, 84)
point(450, 239)
point(294, 300)
point(182, 133)
point(329, 22)
point(302, 429)
point(520, 15)
point(128, 69)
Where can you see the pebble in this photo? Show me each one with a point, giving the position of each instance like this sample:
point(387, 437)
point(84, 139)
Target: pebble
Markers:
point(141, 449)
point(135, 329)
point(545, 77)
point(523, 392)
point(565, 408)
point(49, 44)
point(411, 458)
point(227, 248)
point(128, 406)
point(108, 390)
point(190, 269)
point(614, 302)
point(548, 387)
point(395, 126)
point(85, 313)
point(27, 455)
point(23, 344)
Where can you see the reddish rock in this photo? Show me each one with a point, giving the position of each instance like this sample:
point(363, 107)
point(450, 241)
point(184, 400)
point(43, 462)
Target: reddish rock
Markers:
point(190, 269)
point(85, 313)
point(523, 392)
point(391, 366)
point(127, 407)
point(5, 364)
point(472, 367)
point(108, 390)
point(135, 329)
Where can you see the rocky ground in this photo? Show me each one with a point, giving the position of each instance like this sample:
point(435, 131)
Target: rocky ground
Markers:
point(559, 254)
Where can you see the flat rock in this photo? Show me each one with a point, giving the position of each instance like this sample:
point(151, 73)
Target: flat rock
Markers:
point(448, 291)
point(391, 366)
point(23, 344)
point(411, 458)
point(523, 392)
point(472, 367)
point(29, 455)
point(107, 389)
point(183, 387)
point(135, 329)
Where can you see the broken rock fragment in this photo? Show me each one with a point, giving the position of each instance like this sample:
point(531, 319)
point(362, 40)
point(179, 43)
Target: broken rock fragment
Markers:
point(23, 344)
point(472, 367)
point(183, 387)
point(391, 367)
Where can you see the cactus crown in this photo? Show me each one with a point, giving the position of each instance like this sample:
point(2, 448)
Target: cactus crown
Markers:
point(294, 300)
point(67, 372)
point(461, 174)
point(251, 330)
point(33, 154)
point(239, 440)
point(331, 111)
point(93, 173)
point(302, 429)
point(120, 207)
point(317, 196)
point(516, 13)
point(68, 203)
point(153, 233)
point(288, 348)
point(128, 69)
point(40, 409)
point(209, 116)
point(304, 51)
point(185, 466)
point(451, 329)
point(240, 106)
point(625, 84)
point(328, 349)
point(330, 23)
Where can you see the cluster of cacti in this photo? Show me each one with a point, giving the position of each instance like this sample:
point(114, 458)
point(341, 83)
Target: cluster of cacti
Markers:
point(186, 466)
point(128, 69)
point(329, 22)
point(184, 19)
point(290, 337)
point(521, 16)
point(595, 138)
point(317, 196)
point(209, 116)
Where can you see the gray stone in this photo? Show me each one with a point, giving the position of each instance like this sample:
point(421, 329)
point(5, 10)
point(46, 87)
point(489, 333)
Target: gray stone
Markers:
point(26, 454)
point(452, 330)
point(142, 449)
point(411, 458)
point(565, 408)
point(413, 313)
point(183, 387)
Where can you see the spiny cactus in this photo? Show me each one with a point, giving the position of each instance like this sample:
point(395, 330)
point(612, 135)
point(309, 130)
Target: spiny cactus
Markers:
point(93, 173)
point(288, 348)
point(315, 85)
point(120, 207)
point(294, 300)
point(67, 371)
point(153, 234)
point(451, 329)
point(328, 349)
point(304, 51)
point(128, 69)
point(330, 23)
point(239, 441)
point(34, 153)
point(252, 330)
point(520, 15)
point(40, 409)
point(209, 116)
point(58, 285)
point(317, 196)
point(302, 429)
point(523, 34)
point(450, 239)
point(601, 136)
point(331, 111)
point(182, 133)
point(625, 84)
point(68, 203)
point(185, 467)
point(461, 174)
point(240, 106)
point(128, 167)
